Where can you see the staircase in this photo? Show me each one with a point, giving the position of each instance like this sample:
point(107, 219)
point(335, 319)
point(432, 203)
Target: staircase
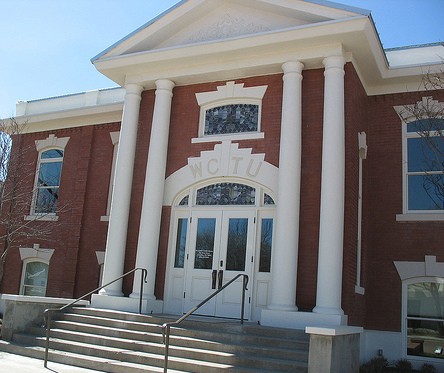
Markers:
point(111, 341)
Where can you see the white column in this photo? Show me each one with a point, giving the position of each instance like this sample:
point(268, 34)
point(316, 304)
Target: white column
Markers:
point(331, 229)
point(118, 219)
point(149, 230)
point(286, 238)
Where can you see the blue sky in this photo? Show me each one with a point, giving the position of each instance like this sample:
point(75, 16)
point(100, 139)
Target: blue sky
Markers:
point(46, 45)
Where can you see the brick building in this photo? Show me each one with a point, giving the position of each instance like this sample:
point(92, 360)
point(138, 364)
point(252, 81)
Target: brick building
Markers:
point(257, 137)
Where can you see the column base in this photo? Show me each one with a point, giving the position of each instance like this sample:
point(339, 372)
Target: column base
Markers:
point(300, 320)
point(110, 293)
point(328, 311)
point(149, 306)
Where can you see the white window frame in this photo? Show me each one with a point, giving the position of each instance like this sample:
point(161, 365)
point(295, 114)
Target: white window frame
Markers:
point(229, 94)
point(413, 272)
point(31, 255)
point(405, 286)
point(403, 112)
point(52, 142)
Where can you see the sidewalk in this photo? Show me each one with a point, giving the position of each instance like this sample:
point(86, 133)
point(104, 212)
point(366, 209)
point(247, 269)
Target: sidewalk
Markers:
point(11, 363)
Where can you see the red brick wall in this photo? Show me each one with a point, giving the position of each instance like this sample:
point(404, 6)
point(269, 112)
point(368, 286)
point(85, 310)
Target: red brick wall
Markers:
point(387, 239)
point(78, 233)
point(356, 103)
point(312, 118)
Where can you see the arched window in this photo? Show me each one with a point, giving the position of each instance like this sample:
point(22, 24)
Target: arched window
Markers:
point(48, 181)
point(34, 278)
point(425, 317)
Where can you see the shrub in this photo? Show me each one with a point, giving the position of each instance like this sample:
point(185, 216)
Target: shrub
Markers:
point(428, 368)
point(375, 365)
point(403, 366)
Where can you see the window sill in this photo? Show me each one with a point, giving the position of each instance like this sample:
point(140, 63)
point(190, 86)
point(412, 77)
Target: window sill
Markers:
point(420, 217)
point(41, 218)
point(232, 137)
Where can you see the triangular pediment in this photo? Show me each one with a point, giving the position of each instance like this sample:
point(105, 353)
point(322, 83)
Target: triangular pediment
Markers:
point(202, 21)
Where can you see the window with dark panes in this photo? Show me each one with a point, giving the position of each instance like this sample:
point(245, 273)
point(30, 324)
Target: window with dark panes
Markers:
point(425, 165)
point(48, 181)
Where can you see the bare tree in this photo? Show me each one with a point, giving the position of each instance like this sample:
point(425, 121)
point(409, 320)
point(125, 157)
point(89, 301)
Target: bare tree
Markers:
point(15, 194)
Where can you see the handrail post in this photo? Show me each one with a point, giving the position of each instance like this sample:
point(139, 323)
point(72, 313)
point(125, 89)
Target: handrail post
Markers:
point(166, 326)
point(143, 276)
point(48, 327)
point(167, 346)
point(48, 311)
point(244, 287)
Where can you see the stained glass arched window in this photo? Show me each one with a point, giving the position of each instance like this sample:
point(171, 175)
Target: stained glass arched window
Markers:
point(226, 194)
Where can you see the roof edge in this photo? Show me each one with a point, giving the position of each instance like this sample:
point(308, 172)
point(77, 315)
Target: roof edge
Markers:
point(348, 8)
point(144, 26)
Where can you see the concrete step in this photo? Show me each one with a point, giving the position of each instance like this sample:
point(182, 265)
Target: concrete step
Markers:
point(218, 330)
point(80, 360)
point(105, 347)
point(196, 345)
point(133, 340)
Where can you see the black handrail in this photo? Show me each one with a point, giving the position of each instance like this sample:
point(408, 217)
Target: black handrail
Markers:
point(167, 326)
point(48, 312)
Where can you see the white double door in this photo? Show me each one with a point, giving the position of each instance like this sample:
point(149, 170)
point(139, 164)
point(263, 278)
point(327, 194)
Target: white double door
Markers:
point(221, 246)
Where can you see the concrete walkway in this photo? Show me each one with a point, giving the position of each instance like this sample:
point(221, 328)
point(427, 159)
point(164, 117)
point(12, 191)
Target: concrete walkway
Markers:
point(11, 363)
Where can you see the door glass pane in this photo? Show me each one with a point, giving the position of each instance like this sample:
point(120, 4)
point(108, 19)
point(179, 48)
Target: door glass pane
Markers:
point(266, 242)
point(181, 242)
point(237, 244)
point(203, 258)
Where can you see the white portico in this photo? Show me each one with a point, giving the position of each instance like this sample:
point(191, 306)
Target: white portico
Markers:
point(251, 38)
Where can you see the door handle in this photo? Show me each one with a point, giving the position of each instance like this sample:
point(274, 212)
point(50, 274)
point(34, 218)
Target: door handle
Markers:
point(213, 279)
point(220, 278)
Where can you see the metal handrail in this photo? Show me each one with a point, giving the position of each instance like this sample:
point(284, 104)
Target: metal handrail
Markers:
point(167, 326)
point(48, 312)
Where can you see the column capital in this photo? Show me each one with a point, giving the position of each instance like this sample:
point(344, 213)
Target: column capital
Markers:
point(133, 88)
point(332, 62)
point(165, 84)
point(293, 67)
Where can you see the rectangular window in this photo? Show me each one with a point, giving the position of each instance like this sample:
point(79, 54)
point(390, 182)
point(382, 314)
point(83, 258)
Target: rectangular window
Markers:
point(229, 119)
point(425, 166)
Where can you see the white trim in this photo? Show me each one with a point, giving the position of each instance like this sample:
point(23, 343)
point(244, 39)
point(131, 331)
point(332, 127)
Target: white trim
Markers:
point(429, 268)
point(115, 141)
point(362, 144)
point(420, 217)
point(413, 272)
point(51, 142)
point(36, 252)
point(32, 255)
point(229, 94)
point(231, 136)
point(225, 161)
